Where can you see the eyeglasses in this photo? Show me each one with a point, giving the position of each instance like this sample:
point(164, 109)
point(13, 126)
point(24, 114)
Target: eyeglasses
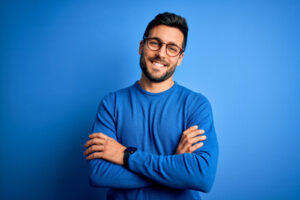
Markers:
point(155, 44)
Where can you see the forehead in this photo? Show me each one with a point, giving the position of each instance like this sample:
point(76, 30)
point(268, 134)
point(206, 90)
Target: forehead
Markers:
point(167, 34)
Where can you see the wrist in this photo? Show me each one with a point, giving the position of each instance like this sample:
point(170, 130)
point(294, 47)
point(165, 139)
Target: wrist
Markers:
point(127, 153)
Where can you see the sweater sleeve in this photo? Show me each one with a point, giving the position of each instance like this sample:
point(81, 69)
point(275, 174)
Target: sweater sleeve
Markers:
point(189, 170)
point(106, 174)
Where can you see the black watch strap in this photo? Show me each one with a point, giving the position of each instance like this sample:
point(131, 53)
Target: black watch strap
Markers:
point(128, 151)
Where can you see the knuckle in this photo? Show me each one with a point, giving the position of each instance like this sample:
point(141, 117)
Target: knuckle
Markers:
point(88, 151)
point(95, 155)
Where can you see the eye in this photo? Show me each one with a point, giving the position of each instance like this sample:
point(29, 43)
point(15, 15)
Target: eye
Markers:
point(173, 48)
point(154, 43)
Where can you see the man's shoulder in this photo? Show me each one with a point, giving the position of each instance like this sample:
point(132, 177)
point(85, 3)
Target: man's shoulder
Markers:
point(111, 96)
point(192, 95)
point(196, 102)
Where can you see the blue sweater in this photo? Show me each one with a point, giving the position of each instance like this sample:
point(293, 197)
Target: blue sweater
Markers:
point(154, 122)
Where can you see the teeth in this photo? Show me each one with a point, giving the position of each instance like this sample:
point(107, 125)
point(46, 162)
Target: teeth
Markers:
point(158, 64)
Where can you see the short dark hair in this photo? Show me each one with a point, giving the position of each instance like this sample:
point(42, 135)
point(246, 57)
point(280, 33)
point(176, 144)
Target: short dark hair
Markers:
point(169, 19)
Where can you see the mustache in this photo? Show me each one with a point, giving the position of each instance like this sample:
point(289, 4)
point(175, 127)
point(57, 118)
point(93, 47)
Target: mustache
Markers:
point(157, 59)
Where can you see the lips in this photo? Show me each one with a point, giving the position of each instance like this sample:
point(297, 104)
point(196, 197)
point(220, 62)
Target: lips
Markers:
point(158, 63)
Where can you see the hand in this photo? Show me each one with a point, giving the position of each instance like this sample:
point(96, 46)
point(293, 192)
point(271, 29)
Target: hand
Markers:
point(102, 146)
point(189, 138)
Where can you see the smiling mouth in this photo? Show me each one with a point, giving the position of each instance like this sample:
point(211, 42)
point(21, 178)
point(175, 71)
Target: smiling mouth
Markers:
point(158, 64)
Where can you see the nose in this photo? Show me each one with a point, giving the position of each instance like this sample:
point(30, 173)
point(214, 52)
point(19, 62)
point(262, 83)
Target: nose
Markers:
point(162, 51)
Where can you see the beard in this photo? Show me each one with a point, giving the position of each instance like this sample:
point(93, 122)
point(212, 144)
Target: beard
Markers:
point(163, 77)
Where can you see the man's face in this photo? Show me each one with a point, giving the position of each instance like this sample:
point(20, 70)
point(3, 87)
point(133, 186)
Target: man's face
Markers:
point(158, 66)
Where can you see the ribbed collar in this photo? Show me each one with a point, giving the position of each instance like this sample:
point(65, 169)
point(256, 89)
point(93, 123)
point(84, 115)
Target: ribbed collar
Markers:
point(137, 85)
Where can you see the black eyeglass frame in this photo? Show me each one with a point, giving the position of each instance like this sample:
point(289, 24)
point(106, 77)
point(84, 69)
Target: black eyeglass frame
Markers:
point(161, 43)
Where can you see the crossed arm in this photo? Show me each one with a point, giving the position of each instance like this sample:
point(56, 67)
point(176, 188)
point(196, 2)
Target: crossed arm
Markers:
point(107, 148)
point(191, 167)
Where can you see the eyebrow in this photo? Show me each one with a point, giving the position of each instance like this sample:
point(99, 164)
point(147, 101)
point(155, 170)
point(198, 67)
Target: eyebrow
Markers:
point(167, 43)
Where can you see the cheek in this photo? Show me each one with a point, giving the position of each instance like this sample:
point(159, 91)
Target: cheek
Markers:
point(173, 62)
point(146, 56)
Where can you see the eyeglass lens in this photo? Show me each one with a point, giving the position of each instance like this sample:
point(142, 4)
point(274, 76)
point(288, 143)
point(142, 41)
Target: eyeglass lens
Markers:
point(154, 44)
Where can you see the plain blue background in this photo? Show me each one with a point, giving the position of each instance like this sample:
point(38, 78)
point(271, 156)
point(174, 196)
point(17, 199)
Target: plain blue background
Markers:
point(59, 58)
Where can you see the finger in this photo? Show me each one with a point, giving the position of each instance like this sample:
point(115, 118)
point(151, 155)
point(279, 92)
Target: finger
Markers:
point(195, 147)
point(94, 141)
point(187, 131)
point(192, 135)
point(98, 135)
point(93, 148)
point(197, 139)
point(195, 133)
point(95, 155)
point(191, 141)
point(93, 135)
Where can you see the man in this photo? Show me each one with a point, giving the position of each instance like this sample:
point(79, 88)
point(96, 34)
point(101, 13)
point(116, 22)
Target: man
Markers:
point(148, 139)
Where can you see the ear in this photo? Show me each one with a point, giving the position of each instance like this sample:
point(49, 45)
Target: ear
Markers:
point(141, 47)
point(180, 59)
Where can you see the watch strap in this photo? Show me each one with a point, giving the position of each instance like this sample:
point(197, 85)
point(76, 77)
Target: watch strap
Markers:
point(128, 151)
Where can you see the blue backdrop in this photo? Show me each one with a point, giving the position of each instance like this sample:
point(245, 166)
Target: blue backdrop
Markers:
point(59, 58)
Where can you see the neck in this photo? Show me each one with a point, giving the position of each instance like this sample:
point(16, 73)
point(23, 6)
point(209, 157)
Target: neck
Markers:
point(153, 87)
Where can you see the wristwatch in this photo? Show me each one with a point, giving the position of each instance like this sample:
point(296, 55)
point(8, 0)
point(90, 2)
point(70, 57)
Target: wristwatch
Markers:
point(128, 151)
